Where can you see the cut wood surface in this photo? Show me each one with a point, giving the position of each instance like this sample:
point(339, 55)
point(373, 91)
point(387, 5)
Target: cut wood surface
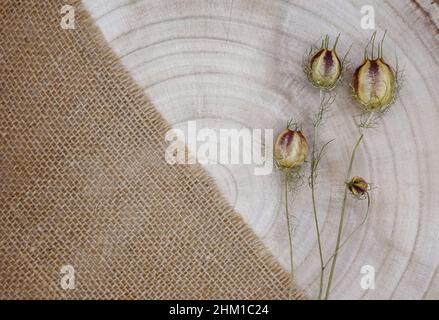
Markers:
point(237, 64)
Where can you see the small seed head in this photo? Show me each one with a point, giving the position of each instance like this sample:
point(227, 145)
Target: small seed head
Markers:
point(358, 187)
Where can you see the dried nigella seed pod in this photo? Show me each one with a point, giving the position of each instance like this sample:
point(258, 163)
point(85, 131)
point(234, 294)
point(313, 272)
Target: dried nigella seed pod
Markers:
point(324, 68)
point(375, 83)
point(290, 148)
point(358, 187)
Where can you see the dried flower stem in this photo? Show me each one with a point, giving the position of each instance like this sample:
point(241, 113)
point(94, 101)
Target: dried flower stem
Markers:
point(315, 158)
point(316, 220)
point(290, 238)
point(343, 207)
point(290, 151)
point(314, 206)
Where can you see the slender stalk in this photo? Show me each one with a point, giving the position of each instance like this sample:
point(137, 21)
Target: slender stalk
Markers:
point(343, 206)
point(316, 220)
point(290, 239)
point(342, 215)
point(315, 159)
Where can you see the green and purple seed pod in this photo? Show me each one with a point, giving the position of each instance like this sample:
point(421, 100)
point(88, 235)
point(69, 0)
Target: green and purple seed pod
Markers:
point(290, 149)
point(374, 81)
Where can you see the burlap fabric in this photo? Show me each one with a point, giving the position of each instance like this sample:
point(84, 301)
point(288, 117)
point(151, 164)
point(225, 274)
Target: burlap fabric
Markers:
point(84, 182)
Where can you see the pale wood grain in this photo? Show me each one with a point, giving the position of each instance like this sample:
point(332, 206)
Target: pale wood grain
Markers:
point(238, 64)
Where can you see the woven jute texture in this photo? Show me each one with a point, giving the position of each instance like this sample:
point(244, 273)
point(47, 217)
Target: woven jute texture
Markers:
point(84, 182)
